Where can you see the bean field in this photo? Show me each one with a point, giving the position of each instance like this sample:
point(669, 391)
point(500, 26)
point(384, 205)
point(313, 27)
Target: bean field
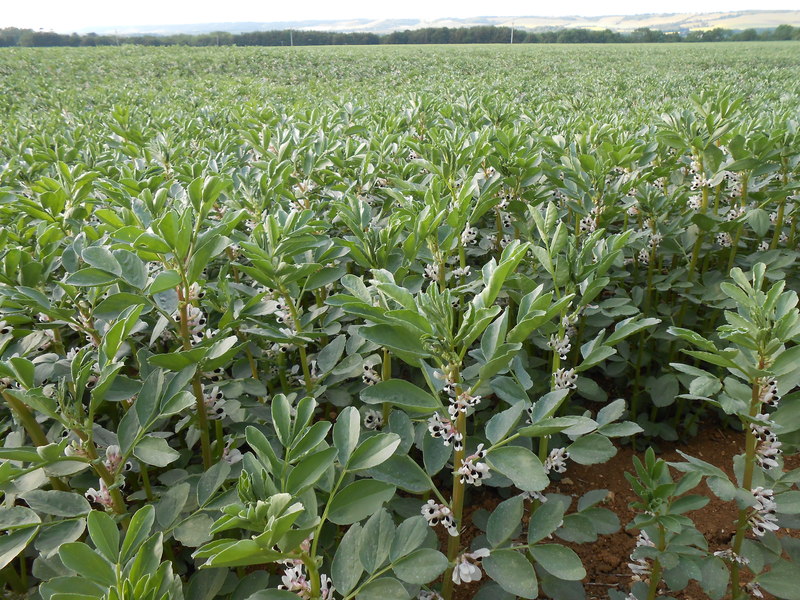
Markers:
point(274, 322)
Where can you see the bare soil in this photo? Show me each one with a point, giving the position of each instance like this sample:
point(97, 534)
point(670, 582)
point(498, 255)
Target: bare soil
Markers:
point(606, 559)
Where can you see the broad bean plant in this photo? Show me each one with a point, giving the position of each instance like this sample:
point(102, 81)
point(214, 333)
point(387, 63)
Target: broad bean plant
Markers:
point(263, 338)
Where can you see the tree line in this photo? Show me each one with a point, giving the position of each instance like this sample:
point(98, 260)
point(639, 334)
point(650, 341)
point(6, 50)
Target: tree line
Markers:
point(12, 36)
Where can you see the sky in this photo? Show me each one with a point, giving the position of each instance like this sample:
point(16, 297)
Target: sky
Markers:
point(76, 15)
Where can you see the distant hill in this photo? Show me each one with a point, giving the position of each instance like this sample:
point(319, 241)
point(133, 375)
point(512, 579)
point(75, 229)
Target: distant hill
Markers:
point(681, 22)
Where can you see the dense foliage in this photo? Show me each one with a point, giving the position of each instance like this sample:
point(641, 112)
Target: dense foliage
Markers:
point(488, 34)
point(268, 319)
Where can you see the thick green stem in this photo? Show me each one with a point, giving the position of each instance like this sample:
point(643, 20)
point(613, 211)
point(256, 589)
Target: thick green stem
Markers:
point(655, 574)
point(457, 507)
point(197, 386)
point(747, 483)
point(34, 430)
point(386, 375)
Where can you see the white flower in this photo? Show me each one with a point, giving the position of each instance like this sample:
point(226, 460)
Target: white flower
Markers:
point(215, 403)
point(469, 236)
point(694, 202)
point(101, 496)
point(373, 419)
point(431, 272)
point(444, 428)
point(724, 239)
point(473, 472)
point(556, 461)
point(428, 595)
point(370, 376)
point(560, 346)
point(565, 379)
point(763, 246)
point(763, 518)
point(466, 569)
point(461, 403)
point(439, 513)
point(6, 328)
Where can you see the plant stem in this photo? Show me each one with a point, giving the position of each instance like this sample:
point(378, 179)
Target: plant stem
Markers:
point(747, 483)
point(386, 375)
point(655, 574)
point(456, 504)
point(197, 386)
point(34, 430)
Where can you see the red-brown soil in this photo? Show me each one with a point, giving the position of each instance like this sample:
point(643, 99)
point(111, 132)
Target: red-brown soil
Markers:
point(606, 559)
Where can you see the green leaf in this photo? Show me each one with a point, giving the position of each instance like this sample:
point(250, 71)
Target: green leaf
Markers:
point(373, 451)
point(401, 470)
point(395, 338)
point(513, 572)
point(521, 466)
point(385, 588)
point(559, 560)
point(155, 451)
point(57, 503)
point(177, 361)
point(504, 520)
point(628, 327)
point(715, 577)
point(346, 568)
point(172, 503)
point(211, 480)
point(11, 544)
point(359, 500)
point(421, 566)
point(101, 258)
point(138, 531)
point(410, 534)
point(346, 432)
point(401, 393)
point(87, 563)
point(282, 420)
point(501, 424)
point(90, 277)
point(104, 533)
point(166, 280)
point(545, 520)
point(309, 470)
point(591, 449)
point(375, 541)
point(781, 581)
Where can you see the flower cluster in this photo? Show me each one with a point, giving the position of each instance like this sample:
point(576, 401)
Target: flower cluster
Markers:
point(566, 379)
point(769, 447)
point(101, 496)
point(467, 569)
point(640, 567)
point(556, 461)
point(114, 459)
point(214, 401)
point(461, 402)
point(560, 345)
point(373, 419)
point(431, 272)
point(694, 202)
point(439, 513)
point(763, 518)
point(469, 236)
point(370, 376)
point(724, 239)
point(295, 580)
point(444, 428)
point(472, 471)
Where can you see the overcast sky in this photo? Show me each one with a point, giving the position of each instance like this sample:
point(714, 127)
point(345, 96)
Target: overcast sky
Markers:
point(67, 16)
